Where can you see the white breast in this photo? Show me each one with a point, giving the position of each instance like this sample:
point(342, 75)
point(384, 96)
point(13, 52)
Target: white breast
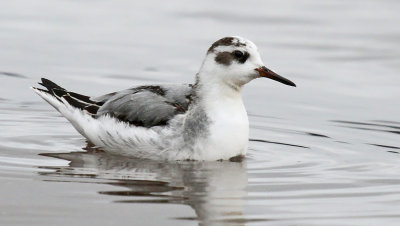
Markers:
point(229, 129)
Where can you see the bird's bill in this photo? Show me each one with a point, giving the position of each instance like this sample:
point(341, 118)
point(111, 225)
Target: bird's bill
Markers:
point(265, 72)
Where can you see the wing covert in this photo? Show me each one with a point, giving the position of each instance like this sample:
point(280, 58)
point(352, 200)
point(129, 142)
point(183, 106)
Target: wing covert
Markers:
point(146, 106)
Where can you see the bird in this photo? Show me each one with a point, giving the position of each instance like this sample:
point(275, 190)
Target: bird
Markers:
point(203, 121)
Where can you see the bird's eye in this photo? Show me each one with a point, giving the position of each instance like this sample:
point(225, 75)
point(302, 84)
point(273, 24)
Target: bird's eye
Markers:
point(238, 54)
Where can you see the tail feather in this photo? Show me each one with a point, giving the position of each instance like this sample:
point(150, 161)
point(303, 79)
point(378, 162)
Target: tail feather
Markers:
point(50, 85)
point(76, 100)
point(62, 106)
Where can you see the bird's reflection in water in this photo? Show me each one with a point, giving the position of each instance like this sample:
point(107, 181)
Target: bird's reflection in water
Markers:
point(215, 190)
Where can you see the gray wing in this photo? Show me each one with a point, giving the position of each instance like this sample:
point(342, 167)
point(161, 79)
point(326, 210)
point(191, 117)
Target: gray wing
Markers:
point(142, 106)
point(146, 105)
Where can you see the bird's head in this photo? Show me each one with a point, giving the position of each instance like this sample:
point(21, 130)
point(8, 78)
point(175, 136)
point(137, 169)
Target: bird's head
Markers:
point(235, 61)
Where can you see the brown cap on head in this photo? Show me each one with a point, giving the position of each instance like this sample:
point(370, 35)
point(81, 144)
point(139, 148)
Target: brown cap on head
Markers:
point(227, 41)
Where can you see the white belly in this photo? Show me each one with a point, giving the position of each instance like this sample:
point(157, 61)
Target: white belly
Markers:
point(229, 132)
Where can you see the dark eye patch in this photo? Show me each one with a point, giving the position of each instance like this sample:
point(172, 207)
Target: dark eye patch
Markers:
point(240, 56)
point(226, 58)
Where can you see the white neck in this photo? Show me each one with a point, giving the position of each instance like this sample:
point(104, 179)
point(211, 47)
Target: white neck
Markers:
point(217, 91)
point(223, 105)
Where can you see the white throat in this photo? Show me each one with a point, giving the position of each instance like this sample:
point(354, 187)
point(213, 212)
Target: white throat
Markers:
point(229, 129)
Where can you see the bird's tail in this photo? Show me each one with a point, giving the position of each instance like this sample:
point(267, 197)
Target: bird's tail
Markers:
point(57, 96)
point(77, 108)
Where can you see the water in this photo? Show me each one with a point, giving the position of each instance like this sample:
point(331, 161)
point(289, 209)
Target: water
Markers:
point(324, 153)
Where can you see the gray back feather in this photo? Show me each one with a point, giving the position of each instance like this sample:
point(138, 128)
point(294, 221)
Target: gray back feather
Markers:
point(146, 105)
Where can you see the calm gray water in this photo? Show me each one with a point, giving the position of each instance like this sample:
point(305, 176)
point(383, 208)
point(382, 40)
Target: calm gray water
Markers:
point(324, 153)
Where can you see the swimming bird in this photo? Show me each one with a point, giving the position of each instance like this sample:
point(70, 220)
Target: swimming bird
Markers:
point(202, 121)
